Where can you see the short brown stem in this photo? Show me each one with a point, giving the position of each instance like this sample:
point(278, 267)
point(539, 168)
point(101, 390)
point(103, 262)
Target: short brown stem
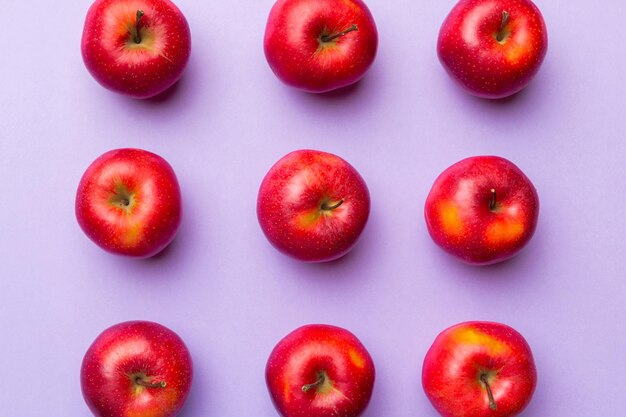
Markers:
point(320, 380)
point(492, 203)
point(502, 33)
point(327, 207)
point(146, 384)
point(328, 38)
point(136, 33)
point(492, 401)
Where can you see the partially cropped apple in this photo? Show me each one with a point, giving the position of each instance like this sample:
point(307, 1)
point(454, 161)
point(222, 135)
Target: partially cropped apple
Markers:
point(479, 369)
point(320, 45)
point(136, 369)
point(313, 206)
point(493, 49)
point(320, 370)
point(128, 202)
point(482, 210)
point(138, 48)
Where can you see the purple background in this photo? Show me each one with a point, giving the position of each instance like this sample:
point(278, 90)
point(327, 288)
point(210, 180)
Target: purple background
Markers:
point(228, 293)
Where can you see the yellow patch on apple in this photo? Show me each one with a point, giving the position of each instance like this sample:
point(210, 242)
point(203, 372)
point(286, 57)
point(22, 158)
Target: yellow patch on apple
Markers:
point(450, 219)
point(357, 359)
point(475, 337)
point(503, 232)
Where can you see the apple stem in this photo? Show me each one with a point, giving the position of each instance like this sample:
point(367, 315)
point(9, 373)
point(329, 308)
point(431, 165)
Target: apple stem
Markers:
point(492, 401)
point(492, 203)
point(320, 381)
point(505, 19)
point(327, 207)
point(146, 384)
point(328, 38)
point(136, 34)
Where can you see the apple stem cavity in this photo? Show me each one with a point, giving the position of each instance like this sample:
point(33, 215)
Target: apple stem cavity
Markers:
point(502, 33)
point(492, 401)
point(328, 38)
point(142, 382)
point(136, 32)
point(326, 207)
point(122, 198)
point(492, 203)
point(320, 380)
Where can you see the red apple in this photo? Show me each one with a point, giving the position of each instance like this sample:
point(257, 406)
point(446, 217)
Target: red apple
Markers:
point(320, 371)
point(128, 202)
point(136, 47)
point(482, 210)
point(313, 206)
point(320, 45)
point(479, 369)
point(136, 369)
point(493, 48)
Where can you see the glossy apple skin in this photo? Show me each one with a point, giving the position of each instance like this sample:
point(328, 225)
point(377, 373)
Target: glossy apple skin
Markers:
point(459, 216)
point(477, 61)
point(298, 56)
point(127, 351)
point(118, 63)
point(451, 375)
point(150, 220)
point(291, 200)
point(303, 356)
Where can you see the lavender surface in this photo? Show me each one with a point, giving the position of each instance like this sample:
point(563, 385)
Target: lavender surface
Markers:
point(228, 293)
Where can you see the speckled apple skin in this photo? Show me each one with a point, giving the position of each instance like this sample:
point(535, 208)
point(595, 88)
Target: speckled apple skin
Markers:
point(118, 64)
point(154, 216)
point(475, 60)
point(130, 348)
point(460, 220)
point(461, 353)
point(289, 199)
point(296, 361)
point(295, 54)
